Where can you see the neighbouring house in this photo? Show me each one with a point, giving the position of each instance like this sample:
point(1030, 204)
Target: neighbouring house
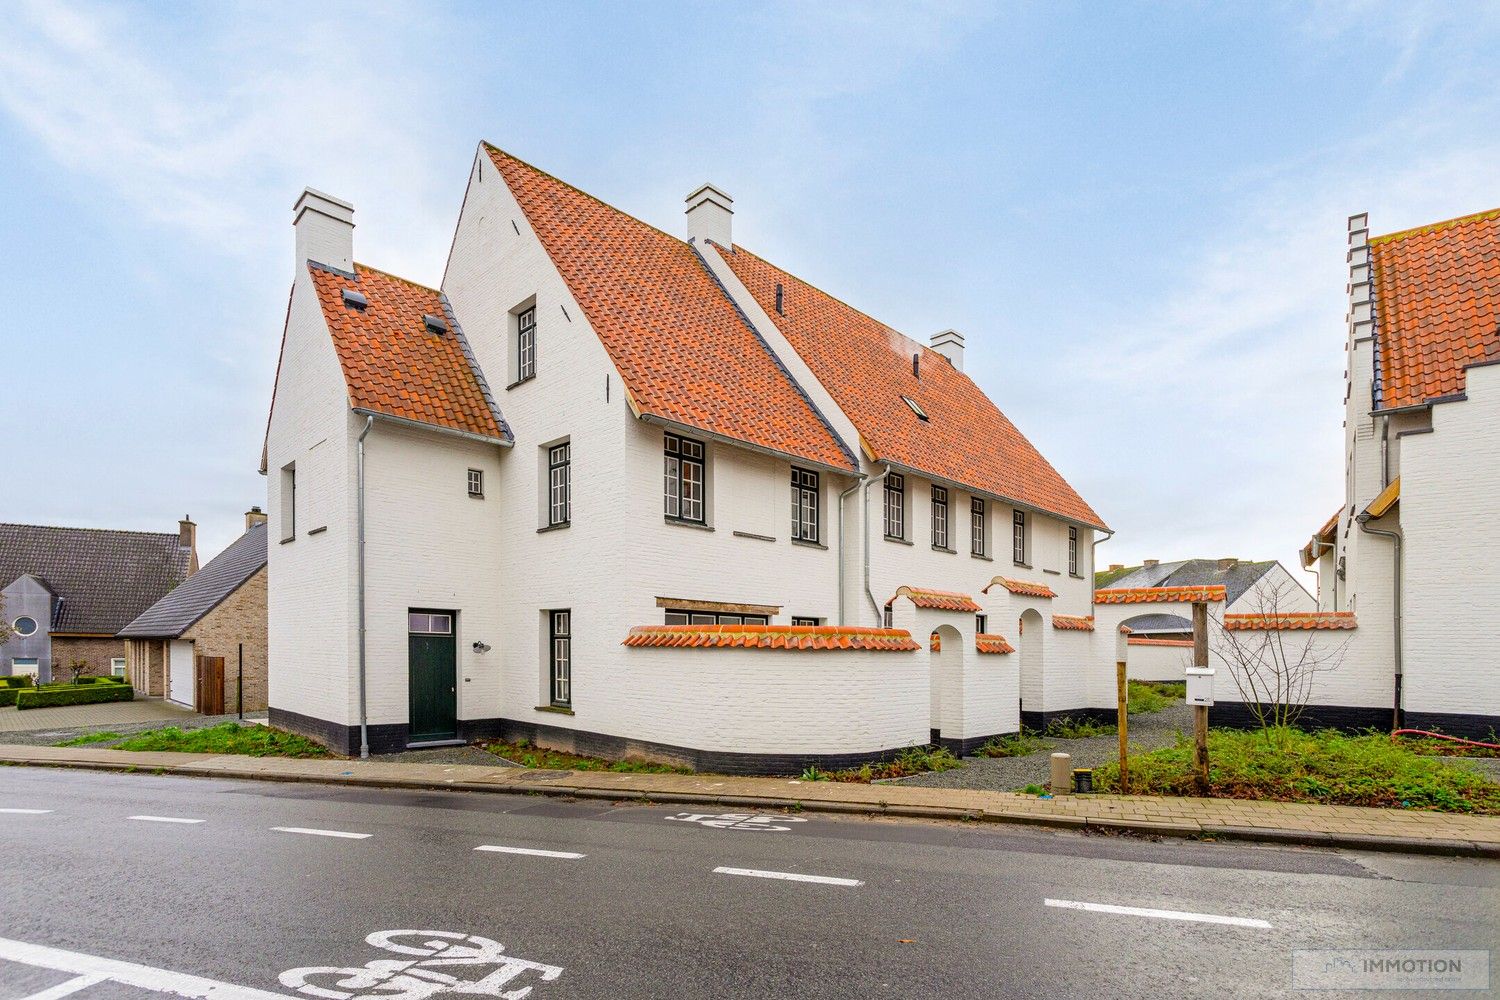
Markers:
point(623, 492)
point(67, 592)
point(204, 644)
point(1413, 550)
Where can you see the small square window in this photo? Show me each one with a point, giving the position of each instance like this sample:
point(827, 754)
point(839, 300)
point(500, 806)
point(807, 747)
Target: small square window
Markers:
point(117, 666)
point(806, 621)
point(476, 483)
point(982, 624)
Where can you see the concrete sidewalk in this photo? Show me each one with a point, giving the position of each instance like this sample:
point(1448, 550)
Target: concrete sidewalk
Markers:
point(1328, 826)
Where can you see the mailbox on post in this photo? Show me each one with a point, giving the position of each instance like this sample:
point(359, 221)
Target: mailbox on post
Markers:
point(1200, 685)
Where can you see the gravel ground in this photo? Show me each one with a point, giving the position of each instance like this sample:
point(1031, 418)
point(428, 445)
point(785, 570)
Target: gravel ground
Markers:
point(1007, 774)
point(49, 737)
point(446, 755)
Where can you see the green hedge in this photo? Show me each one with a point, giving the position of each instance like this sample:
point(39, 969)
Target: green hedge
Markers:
point(19, 680)
point(8, 695)
point(108, 679)
point(83, 694)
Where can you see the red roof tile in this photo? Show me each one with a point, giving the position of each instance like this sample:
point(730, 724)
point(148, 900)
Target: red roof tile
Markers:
point(936, 600)
point(1024, 588)
point(866, 367)
point(1073, 623)
point(683, 351)
point(1291, 620)
point(986, 642)
point(1140, 640)
point(393, 364)
point(799, 637)
point(1437, 301)
point(1151, 595)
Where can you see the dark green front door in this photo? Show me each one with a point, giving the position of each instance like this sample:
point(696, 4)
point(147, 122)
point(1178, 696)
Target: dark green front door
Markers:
point(432, 658)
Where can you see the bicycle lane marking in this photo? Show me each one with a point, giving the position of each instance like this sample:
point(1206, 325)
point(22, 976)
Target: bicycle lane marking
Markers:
point(143, 977)
point(759, 822)
point(408, 979)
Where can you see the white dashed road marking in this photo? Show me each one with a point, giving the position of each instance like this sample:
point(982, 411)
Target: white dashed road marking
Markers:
point(91, 969)
point(1140, 911)
point(496, 848)
point(321, 833)
point(165, 819)
point(26, 812)
point(788, 876)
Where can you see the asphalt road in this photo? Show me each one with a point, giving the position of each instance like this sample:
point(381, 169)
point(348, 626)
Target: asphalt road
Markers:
point(98, 902)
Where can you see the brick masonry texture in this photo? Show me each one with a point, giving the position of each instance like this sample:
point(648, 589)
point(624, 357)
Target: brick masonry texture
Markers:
point(240, 619)
point(96, 652)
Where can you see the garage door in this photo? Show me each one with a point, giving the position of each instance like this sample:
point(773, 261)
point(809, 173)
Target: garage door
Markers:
point(180, 676)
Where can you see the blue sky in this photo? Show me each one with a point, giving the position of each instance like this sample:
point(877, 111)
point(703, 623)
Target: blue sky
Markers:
point(1135, 213)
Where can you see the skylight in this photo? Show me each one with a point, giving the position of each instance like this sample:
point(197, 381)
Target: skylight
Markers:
point(921, 413)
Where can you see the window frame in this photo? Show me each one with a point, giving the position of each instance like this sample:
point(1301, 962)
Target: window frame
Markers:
point(560, 667)
point(982, 624)
point(526, 343)
point(940, 519)
point(895, 506)
point(476, 483)
point(1018, 537)
point(117, 666)
point(805, 621)
point(977, 537)
point(807, 506)
point(429, 623)
point(690, 617)
point(289, 501)
point(1072, 550)
point(23, 633)
point(676, 460)
point(560, 484)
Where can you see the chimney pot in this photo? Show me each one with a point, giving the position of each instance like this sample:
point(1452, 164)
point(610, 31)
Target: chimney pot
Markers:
point(187, 538)
point(325, 230)
point(254, 516)
point(1116, 567)
point(710, 214)
point(1149, 562)
point(1225, 565)
point(950, 344)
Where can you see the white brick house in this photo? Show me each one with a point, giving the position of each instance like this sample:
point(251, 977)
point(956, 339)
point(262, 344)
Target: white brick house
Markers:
point(624, 492)
point(1414, 549)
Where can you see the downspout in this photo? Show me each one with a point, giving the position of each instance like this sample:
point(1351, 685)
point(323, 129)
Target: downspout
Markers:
point(364, 729)
point(865, 531)
point(843, 619)
point(1395, 536)
point(1094, 558)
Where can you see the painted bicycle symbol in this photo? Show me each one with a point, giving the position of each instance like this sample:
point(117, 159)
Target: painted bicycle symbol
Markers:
point(739, 821)
point(421, 976)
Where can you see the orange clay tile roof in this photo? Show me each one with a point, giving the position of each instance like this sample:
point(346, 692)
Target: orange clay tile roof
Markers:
point(987, 642)
point(896, 640)
point(1437, 301)
point(1024, 588)
point(867, 367)
point(1073, 623)
point(1291, 620)
point(683, 350)
point(1149, 595)
point(396, 366)
point(1324, 536)
point(936, 600)
point(1140, 640)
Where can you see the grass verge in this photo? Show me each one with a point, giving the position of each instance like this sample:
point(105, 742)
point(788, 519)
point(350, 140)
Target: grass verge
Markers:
point(1142, 697)
point(1014, 745)
point(527, 755)
point(1325, 767)
point(1069, 728)
point(227, 737)
point(87, 739)
point(913, 760)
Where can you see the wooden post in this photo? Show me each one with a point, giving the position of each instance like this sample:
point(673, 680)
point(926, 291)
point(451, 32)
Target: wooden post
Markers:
point(1121, 700)
point(1200, 712)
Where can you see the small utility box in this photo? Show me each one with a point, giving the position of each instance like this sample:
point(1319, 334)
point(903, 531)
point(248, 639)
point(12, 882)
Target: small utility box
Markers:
point(1200, 685)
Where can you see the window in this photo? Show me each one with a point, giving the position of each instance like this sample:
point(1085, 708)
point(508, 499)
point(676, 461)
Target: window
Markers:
point(679, 616)
point(976, 526)
point(939, 517)
point(559, 485)
point(24, 665)
point(921, 413)
point(1073, 551)
point(476, 483)
point(526, 344)
point(560, 634)
point(805, 506)
point(982, 624)
point(117, 666)
point(796, 621)
point(895, 506)
point(683, 489)
point(25, 625)
point(289, 502)
point(427, 623)
point(889, 619)
point(1018, 538)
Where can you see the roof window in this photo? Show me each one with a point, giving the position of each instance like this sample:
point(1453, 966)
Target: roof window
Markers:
point(435, 324)
point(921, 413)
point(355, 300)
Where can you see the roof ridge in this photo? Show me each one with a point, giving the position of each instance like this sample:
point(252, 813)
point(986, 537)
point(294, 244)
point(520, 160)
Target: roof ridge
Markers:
point(393, 277)
point(68, 527)
point(1432, 227)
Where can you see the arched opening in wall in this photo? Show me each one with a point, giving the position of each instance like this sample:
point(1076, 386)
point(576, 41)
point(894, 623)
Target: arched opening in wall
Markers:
point(1030, 645)
point(1159, 646)
point(946, 661)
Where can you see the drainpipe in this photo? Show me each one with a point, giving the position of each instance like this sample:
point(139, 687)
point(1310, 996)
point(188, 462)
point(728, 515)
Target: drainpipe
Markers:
point(364, 729)
point(1395, 537)
point(1094, 558)
point(843, 618)
point(865, 531)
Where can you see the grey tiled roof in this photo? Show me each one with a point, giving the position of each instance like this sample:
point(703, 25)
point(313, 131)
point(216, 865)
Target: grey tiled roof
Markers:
point(1148, 624)
point(103, 578)
point(174, 614)
point(1197, 573)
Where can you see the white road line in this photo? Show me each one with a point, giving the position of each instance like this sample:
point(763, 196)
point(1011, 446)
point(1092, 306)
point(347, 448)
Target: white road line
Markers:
point(320, 833)
point(127, 973)
point(26, 812)
point(788, 876)
point(529, 850)
point(67, 988)
point(165, 819)
point(1140, 911)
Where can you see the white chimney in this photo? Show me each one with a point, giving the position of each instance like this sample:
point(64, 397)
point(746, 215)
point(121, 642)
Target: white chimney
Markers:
point(325, 230)
point(950, 344)
point(710, 213)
